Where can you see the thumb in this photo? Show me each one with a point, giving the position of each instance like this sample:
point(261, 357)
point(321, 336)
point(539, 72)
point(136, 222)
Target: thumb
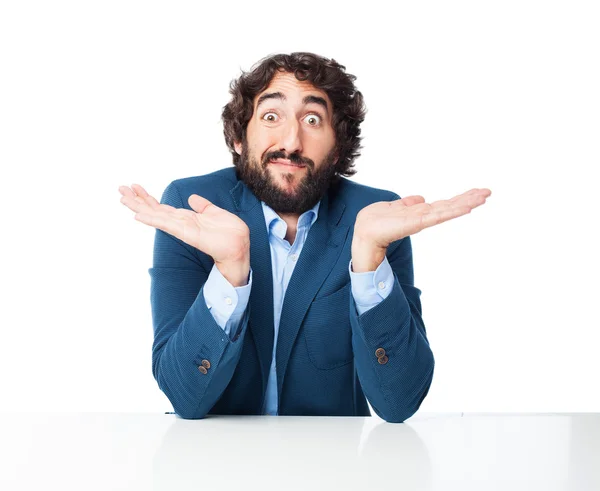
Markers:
point(198, 203)
point(412, 200)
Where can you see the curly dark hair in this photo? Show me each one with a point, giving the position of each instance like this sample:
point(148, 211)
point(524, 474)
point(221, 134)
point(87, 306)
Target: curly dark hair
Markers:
point(327, 75)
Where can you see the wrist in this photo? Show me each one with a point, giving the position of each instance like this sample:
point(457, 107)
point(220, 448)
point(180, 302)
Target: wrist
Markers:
point(236, 272)
point(366, 256)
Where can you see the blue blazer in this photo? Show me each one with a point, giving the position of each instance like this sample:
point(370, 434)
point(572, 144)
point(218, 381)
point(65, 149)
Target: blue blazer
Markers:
point(328, 357)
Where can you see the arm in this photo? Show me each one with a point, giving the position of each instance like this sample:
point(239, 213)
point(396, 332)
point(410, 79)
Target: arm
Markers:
point(185, 331)
point(396, 387)
point(396, 382)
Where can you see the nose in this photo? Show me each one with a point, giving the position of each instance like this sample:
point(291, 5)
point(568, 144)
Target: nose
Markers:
point(291, 141)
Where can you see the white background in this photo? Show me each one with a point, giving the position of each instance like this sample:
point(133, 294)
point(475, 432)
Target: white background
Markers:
point(504, 95)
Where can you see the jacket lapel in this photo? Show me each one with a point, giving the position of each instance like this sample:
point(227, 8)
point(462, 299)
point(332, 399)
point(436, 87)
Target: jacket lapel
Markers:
point(319, 255)
point(261, 323)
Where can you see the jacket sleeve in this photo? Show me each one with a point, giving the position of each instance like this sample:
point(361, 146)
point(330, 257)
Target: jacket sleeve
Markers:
point(226, 303)
point(394, 362)
point(371, 287)
point(187, 338)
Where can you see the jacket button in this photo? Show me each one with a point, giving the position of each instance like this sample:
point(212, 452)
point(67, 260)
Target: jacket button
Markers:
point(383, 360)
point(202, 370)
point(379, 352)
point(206, 364)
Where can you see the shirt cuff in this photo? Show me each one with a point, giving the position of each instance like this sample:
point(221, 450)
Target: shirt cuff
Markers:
point(223, 299)
point(370, 288)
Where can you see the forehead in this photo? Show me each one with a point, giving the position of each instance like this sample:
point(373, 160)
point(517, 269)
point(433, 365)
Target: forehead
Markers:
point(290, 86)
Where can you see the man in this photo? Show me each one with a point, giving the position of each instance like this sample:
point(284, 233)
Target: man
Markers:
point(279, 286)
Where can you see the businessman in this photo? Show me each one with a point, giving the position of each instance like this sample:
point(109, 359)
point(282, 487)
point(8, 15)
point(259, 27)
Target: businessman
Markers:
point(279, 286)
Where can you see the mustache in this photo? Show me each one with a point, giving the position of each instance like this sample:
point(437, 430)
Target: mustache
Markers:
point(293, 157)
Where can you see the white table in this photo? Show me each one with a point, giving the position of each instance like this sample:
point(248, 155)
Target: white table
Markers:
point(478, 451)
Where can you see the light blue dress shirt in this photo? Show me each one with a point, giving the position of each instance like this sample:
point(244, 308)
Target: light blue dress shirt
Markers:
point(227, 303)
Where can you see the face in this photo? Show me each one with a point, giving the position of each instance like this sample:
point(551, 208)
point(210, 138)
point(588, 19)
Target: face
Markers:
point(288, 155)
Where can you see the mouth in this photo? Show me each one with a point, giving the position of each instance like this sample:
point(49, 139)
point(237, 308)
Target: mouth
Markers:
point(286, 163)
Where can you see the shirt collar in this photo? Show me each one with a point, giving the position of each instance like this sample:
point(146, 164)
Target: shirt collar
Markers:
point(272, 219)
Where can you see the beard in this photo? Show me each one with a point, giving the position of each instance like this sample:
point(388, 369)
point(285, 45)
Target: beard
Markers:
point(308, 189)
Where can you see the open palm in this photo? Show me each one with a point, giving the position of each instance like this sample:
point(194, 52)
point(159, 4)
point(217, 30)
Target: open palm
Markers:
point(213, 230)
point(384, 222)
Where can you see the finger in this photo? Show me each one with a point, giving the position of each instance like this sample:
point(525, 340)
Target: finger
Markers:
point(136, 203)
point(139, 190)
point(142, 193)
point(439, 211)
point(435, 218)
point(460, 199)
point(485, 192)
point(166, 222)
point(141, 199)
point(462, 196)
point(198, 203)
point(125, 191)
point(153, 220)
point(418, 209)
point(473, 199)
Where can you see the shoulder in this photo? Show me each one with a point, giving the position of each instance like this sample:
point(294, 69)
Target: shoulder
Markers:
point(214, 186)
point(356, 196)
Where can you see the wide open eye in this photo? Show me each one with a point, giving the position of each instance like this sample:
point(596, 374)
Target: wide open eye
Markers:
point(272, 117)
point(313, 119)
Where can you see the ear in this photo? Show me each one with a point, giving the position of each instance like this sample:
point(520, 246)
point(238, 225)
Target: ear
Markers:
point(238, 147)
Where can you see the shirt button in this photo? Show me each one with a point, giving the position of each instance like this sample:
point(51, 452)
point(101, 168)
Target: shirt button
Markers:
point(293, 257)
point(381, 285)
point(206, 364)
point(228, 300)
point(383, 360)
point(379, 352)
point(202, 370)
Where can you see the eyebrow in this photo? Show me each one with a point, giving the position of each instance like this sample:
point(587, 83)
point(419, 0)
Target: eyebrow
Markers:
point(309, 99)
